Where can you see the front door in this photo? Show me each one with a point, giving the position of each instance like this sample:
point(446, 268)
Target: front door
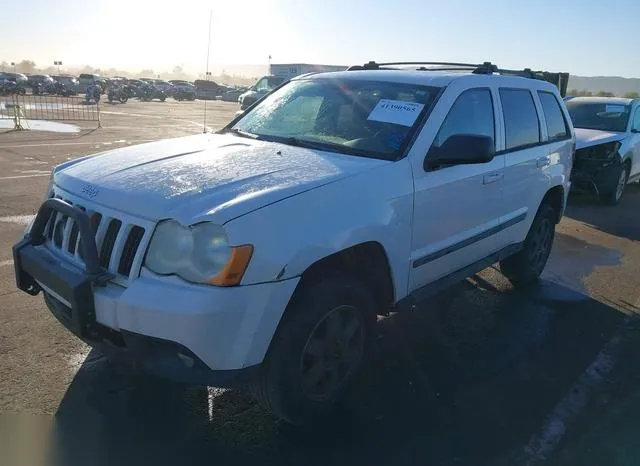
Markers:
point(456, 208)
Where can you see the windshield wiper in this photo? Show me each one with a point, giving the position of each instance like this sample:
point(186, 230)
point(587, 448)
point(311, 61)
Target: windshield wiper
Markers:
point(297, 142)
point(242, 134)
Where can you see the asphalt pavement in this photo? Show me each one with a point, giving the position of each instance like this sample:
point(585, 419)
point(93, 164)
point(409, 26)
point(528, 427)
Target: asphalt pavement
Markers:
point(482, 374)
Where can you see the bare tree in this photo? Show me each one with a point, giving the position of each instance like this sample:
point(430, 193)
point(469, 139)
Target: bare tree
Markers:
point(27, 66)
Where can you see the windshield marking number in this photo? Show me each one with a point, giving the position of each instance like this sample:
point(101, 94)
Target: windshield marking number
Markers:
point(396, 111)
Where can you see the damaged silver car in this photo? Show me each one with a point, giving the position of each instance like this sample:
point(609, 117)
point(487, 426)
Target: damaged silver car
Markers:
point(608, 145)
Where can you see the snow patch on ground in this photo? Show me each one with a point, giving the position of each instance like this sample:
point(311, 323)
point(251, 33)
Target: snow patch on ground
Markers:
point(41, 125)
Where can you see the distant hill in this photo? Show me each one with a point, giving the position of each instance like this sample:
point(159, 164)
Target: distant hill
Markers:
point(619, 86)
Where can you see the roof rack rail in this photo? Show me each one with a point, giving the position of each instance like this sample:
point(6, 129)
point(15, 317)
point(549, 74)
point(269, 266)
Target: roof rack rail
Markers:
point(558, 79)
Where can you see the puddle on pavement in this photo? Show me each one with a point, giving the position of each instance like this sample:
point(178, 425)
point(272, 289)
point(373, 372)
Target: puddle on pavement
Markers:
point(17, 219)
point(571, 262)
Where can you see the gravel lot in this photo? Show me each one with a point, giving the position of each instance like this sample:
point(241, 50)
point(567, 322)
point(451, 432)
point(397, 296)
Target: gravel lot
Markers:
point(484, 374)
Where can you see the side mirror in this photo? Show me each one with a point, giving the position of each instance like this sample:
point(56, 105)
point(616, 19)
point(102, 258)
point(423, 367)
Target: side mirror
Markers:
point(461, 149)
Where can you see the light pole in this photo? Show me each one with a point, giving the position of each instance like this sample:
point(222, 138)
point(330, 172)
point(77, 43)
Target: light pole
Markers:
point(58, 64)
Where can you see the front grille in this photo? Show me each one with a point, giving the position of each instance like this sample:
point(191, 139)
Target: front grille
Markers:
point(129, 251)
point(120, 242)
point(108, 242)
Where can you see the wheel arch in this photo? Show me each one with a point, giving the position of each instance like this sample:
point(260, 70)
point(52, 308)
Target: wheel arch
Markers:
point(555, 197)
point(367, 262)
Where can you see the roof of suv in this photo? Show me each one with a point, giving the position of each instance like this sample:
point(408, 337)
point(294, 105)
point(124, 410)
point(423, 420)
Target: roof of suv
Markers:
point(431, 78)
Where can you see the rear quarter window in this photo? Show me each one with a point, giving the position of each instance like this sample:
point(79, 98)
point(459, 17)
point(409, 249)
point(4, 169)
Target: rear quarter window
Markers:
point(557, 126)
point(522, 128)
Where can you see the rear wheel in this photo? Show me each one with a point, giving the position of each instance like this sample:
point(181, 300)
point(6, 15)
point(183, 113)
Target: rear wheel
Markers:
point(317, 351)
point(525, 267)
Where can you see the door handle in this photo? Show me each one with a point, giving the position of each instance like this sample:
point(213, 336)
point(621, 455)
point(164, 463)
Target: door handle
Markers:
point(543, 161)
point(492, 178)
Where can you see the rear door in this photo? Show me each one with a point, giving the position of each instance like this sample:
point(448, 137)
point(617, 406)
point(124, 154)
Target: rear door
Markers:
point(537, 137)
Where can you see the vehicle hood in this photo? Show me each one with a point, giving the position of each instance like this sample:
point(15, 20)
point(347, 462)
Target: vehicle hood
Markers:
point(204, 177)
point(594, 137)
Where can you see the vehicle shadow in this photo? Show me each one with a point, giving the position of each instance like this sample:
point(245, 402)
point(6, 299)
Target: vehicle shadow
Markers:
point(622, 220)
point(463, 380)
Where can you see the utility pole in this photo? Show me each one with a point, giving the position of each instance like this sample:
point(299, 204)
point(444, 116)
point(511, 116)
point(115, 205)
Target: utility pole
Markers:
point(207, 72)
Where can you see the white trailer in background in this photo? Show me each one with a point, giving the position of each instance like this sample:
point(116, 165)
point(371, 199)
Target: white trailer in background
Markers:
point(291, 70)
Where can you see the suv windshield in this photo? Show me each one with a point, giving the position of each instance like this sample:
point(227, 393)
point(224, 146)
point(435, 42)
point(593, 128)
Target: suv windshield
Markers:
point(595, 115)
point(375, 119)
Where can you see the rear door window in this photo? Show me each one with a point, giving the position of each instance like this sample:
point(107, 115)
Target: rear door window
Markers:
point(557, 126)
point(522, 128)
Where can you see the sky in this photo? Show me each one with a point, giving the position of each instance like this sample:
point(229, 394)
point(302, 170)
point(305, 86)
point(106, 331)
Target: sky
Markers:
point(583, 37)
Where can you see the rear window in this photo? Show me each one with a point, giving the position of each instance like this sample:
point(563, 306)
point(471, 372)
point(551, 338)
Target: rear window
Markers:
point(520, 118)
point(556, 124)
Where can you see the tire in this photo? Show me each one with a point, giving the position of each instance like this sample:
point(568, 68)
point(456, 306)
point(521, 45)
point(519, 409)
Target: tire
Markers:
point(524, 268)
point(317, 351)
point(613, 195)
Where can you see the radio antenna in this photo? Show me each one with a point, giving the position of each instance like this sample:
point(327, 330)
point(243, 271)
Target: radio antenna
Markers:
point(204, 125)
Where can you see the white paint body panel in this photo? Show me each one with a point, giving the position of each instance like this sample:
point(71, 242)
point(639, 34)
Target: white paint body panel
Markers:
point(297, 206)
point(228, 328)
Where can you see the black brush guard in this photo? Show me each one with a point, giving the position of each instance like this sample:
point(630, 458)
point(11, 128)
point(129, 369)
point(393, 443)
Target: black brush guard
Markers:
point(37, 268)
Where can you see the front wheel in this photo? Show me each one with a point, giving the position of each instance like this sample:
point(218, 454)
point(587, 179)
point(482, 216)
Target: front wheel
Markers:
point(524, 268)
point(317, 351)
point(613, 194)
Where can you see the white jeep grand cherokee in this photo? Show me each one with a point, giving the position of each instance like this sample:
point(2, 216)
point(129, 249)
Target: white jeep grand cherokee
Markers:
point(261, 255)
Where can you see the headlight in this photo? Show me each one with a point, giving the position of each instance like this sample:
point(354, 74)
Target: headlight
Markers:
point(200, 253)
point(612, 149)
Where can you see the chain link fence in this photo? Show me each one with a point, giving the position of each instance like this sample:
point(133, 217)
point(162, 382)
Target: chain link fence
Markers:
point(22, 108)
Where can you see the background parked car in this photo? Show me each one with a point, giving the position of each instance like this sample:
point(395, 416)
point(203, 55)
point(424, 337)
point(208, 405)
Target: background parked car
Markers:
point(86, 80)
point(608, 144)
point(14, 77)
point(164, 86)
point(39, 79)
point(183, 90)
point(232, 95)
point(8, 87)
point(70, 82)
point(264, 85)
point(207, 89)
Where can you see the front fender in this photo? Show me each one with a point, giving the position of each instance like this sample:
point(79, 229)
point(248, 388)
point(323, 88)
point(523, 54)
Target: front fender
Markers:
point(291, 235)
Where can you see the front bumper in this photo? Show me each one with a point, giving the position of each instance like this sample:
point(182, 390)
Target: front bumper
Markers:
point(595, 175)
point(191, 333)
